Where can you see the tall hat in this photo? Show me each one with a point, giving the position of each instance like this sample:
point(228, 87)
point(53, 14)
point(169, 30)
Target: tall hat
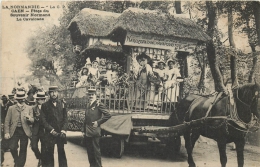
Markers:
point(53, 88)
point(20, 95)
point(40, 95)
point(88, 62)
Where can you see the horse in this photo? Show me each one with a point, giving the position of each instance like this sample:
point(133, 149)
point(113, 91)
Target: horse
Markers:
point(228, 114)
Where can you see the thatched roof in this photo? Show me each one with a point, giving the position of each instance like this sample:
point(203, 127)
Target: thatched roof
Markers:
point(94, 22)
point(100, 46)
point(154, 22)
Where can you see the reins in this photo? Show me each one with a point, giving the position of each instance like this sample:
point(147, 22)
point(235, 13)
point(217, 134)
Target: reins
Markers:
point(234, 117)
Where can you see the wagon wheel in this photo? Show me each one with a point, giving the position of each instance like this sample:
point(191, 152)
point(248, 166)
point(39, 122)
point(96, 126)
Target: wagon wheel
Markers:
point(173, 146)
point(118, 147)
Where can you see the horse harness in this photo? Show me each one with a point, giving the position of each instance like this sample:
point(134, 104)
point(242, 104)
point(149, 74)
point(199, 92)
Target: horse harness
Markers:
point(230, 119)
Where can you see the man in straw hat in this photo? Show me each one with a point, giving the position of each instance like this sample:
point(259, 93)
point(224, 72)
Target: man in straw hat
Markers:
point(17, 128)
point(37, 127)
point(95, 115)
point(54, 120)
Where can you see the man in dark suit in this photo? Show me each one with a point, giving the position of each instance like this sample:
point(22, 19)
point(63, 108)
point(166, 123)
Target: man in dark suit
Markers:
point(17, 128)
point(4, 109)
point(37, 127)
point(4, 145)
point(54, 120)
point(11, 101)
point(95, 115)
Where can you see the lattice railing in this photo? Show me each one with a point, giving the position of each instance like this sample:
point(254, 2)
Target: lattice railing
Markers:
point(126, 100)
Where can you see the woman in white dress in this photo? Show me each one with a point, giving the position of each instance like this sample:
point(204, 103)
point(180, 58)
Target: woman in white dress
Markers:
point(95, 74)
point(172, 85)
point(162, 72)
point(82, 84)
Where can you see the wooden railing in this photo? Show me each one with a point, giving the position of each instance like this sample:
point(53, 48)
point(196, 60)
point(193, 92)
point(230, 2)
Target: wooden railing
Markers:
point(126, 100)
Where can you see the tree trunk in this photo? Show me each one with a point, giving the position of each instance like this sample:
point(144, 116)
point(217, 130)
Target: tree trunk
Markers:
point(252, 71)
point(252, 45)
point(178, 7)
point(232, 44)
point(218, 79)
point(202, 65)
point(256, 10)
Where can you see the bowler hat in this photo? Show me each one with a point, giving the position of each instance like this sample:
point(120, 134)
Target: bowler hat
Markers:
point(53, 88)
point(20, 95)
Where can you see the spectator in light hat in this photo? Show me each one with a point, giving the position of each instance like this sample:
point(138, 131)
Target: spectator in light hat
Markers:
point(161, 70)
point(17, 128)
point(55, 122)
point(38, 129)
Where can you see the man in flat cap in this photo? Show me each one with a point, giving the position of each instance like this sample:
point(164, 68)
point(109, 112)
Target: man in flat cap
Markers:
point(54, 120)
point(17, 128)
point(96, 114)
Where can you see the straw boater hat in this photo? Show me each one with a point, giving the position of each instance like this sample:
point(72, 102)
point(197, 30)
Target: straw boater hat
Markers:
point(171, 60)
point(20, 95)
point(53, 88)
point(92, 91)
point(161, 61)
point(40, 95)
point(11, 96)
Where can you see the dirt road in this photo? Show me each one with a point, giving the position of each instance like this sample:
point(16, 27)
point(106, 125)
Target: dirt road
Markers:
point(148, 155)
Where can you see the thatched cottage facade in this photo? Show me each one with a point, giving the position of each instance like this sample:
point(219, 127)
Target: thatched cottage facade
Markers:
point(122, 36)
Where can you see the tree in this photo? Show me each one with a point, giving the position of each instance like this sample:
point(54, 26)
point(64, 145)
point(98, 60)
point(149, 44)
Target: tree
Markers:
point(232, 43)
point(256, 10)
point(211, 53)
point(178, 7)
point(246, 22)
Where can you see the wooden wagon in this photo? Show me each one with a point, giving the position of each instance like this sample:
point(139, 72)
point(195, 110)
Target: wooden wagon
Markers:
point(121, 37)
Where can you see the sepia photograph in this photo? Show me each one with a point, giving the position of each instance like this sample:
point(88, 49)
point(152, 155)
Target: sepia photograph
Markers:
point(130, 83)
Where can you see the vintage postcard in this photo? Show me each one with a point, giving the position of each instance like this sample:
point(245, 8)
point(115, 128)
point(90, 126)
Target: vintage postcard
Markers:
point(130, 83)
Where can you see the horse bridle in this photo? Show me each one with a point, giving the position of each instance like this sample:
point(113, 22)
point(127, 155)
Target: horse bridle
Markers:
point(251, 103)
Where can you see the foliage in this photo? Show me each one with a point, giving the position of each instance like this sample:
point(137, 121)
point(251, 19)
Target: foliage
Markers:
point(51, 50)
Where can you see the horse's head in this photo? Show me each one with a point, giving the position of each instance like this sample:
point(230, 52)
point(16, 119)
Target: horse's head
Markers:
point(246, 97)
